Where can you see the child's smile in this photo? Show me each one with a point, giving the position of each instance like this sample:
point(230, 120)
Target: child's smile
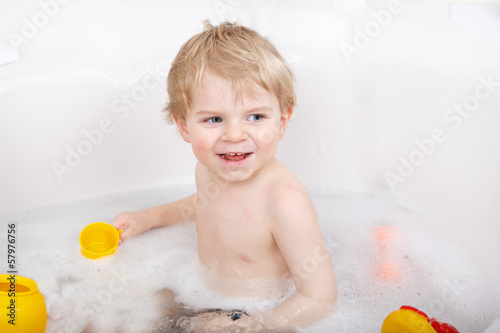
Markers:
point(233, 137)
point(234, 159)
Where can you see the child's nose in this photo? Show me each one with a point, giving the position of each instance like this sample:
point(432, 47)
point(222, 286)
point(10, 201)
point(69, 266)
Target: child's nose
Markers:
point(234, 132)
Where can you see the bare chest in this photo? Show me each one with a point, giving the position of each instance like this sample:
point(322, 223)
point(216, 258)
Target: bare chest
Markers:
point(235, 236)
point(234, 224)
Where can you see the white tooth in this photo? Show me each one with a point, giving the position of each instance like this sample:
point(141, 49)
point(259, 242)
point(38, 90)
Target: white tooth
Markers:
point(231, 154)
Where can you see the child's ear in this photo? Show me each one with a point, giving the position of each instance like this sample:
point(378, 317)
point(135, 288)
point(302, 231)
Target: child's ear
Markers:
point(181, 124)
point(285, 118)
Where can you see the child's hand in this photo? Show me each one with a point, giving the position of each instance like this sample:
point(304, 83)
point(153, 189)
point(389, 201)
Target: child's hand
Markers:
point(133, 223)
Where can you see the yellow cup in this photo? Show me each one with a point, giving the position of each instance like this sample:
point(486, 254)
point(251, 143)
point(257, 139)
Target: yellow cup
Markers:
point(22, 306)
point(99, 239)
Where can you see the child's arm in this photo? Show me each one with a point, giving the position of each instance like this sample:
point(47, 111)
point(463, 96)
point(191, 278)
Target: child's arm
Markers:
point(298, 236)
point(136, 223)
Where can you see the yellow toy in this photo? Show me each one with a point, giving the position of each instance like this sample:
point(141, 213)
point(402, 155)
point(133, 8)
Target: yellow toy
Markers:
point(411, 320)
point(22, 306)
point(99, 239)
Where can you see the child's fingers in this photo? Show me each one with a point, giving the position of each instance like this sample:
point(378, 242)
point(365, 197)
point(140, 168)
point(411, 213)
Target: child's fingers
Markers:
point(126, 233)
point(125, 226)
point(123, 237)
point(119, 224)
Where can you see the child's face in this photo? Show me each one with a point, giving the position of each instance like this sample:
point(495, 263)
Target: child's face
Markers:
point(233, 138)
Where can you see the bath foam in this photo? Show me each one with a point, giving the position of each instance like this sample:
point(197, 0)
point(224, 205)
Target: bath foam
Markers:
point(384, 256)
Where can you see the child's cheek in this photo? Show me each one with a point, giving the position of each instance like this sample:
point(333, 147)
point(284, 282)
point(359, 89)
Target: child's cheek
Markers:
point(202, 145)
point(266, 137)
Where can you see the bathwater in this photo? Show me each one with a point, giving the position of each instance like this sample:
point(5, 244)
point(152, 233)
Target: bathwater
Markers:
point(384, 256)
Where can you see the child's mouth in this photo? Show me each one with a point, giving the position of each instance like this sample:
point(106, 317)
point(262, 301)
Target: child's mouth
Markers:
point(234, 157)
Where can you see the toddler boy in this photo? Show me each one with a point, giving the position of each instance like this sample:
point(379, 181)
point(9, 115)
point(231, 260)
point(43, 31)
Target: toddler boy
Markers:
point(231, 95)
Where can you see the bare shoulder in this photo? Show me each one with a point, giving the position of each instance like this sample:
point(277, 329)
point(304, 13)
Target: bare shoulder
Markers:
point(290, 199)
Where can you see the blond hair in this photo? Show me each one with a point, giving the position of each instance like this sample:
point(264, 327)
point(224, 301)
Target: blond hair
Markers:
point(235, 53)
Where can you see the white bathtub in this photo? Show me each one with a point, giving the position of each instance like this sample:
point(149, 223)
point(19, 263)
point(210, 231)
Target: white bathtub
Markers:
point(378, 89)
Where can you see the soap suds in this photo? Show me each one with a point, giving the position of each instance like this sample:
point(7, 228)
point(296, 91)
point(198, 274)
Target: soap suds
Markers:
point(384, 256)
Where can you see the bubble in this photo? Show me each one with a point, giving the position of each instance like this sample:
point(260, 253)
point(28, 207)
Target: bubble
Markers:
point(411, 261)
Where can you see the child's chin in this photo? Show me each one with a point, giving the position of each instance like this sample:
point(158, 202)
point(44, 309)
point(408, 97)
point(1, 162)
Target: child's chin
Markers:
point(235, 177)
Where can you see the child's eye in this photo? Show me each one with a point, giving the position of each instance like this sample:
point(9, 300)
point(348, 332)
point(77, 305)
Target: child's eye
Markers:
point(214, 120)
point(255, 117)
